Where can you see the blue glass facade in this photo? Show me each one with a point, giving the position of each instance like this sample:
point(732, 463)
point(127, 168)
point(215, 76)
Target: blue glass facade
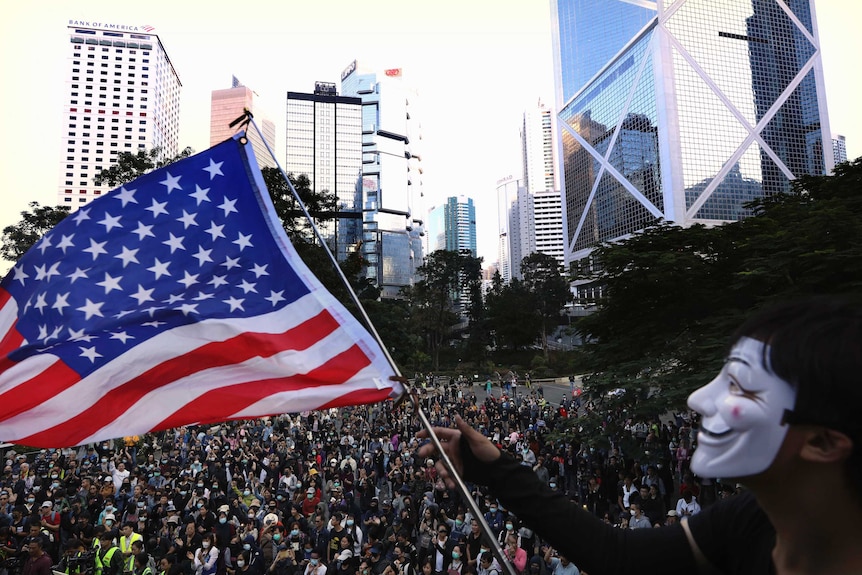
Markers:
point(590, 34)
point(391, 183)
point(707, 106)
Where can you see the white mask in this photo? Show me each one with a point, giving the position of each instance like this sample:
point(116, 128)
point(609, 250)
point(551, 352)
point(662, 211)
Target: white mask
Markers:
point(741, 429)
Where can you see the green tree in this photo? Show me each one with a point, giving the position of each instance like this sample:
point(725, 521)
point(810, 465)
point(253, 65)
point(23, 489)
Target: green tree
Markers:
point(393, 322)
point(447, 277)
point(550, 291)
point(512, 315)
point(20, 237)
point(478, 329)
point(130, 166)
point(673, 296)
point(321, 206)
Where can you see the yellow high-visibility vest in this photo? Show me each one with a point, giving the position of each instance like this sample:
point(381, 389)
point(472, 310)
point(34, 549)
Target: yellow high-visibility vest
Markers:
point(101, 562)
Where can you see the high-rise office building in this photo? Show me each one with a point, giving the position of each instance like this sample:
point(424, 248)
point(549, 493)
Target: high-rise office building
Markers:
point(537, 150)
point(229, 104)
point(391, 175)
point(516, 223)
point(683, 110)
point(123, 95)
point(452, 226)
point(324, 142)
point(548, 225)
point(545, 229)
point(839, 149)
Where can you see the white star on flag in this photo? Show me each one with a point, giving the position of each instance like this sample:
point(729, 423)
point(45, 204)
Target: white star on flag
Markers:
point(148, 310)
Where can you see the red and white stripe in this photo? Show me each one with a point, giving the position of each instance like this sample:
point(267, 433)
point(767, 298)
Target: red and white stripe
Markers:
point(298, 358)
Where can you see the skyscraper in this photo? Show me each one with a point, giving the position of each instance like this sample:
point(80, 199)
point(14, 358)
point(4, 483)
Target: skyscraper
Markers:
point(452, 226)
point(683, 110)
point(545, 227)
point(229, 104)
point(324, 142)
point(537, 149)
point(391, 175)
point(548, 224)
point(839, 148)
point(516, 223)
point(123, 96)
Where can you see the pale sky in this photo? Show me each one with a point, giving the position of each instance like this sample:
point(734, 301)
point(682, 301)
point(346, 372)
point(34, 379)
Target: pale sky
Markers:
point(477, 64)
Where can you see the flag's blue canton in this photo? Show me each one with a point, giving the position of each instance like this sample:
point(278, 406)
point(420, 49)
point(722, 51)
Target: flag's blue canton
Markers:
point(178, 245)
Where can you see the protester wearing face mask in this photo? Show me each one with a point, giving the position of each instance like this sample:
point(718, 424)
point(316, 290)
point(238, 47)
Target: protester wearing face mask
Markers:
point(440, 552)
point(638, 520)
point(457, 566)
point(253, 557)
point(205, 558)
point(224, 528)
point(242, 565)
point(509, 528)
point(780, 417)
point(312, 498)
point(355, 533)
point(495, 518)
point(314, 566)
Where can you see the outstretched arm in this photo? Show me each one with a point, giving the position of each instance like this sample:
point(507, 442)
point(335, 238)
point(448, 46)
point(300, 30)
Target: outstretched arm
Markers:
point(588, 542)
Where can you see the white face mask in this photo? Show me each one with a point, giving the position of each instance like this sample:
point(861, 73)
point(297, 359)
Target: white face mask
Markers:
point(741, 430)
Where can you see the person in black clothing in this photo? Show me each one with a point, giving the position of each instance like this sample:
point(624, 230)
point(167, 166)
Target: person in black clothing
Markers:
point(780, 416)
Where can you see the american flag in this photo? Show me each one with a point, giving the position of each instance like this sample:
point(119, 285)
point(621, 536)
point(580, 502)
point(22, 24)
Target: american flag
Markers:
point(175, 299)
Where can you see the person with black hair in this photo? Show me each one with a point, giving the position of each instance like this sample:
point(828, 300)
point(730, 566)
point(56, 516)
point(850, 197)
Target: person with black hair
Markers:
point(109, 559)
point(781, 416)
point(142, 564)
point(38, 562)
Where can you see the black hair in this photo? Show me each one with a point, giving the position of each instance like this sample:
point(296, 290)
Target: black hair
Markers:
point(815, 345)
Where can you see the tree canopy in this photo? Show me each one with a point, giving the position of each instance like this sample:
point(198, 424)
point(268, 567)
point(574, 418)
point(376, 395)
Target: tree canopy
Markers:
point(524, 310)
point(130, 166)
point(550, 291)
point(673, 296)
point(35, 223)
point(449, 281)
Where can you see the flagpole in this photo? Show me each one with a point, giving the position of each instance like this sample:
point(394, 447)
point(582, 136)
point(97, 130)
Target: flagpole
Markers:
point(462, 487)
point(329, 253)
point(453, 473)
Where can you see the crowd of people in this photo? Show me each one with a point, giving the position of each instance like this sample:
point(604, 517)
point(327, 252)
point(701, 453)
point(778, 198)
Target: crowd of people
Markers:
point(338, 491)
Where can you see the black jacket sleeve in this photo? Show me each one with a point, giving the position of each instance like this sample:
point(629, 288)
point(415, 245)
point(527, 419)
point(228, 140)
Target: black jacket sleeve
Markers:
point(734, 535)
point(584, 539)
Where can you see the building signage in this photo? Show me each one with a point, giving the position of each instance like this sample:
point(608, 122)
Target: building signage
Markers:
point(349, 70)
point(369, 184)
point(110, 26)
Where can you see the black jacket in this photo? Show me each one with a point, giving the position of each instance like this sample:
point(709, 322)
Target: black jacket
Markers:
point(734, 534)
